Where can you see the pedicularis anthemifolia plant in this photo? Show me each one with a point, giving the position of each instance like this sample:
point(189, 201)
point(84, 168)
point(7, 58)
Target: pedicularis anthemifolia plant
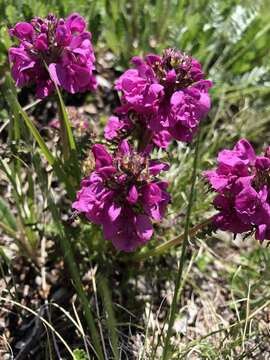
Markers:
point(163, 98)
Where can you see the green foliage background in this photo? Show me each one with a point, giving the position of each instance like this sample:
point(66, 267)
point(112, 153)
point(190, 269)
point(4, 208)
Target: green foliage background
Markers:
point(231, 39)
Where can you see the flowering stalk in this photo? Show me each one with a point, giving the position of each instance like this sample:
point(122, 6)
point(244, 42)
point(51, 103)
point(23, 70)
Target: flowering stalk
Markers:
point(51, 159)
point(66, 136)
point(145, 139)
point(163, 98)
point(9, 92)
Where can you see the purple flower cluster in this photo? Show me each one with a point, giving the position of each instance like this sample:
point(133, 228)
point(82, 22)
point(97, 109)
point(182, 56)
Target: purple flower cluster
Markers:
point(167, 95)
point(123, 195)
point(64, 46)
point(242, 183)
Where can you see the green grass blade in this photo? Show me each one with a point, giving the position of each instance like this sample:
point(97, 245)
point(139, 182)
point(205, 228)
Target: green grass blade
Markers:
point(17, 110)
point(6, 215)
point(65, 119)
point(67, 136)
point(48, 155)
point(44, 321)
point(111, 321)
point(8, 230)
point(52, 160)
point(46, 152)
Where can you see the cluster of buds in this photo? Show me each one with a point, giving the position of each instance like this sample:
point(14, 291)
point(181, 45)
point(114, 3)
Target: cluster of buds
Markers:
point(53, 50)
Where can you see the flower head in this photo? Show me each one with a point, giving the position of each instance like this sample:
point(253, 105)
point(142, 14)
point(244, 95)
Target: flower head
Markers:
point(166, 93)
point(120, 127)
point(63, 45)
point(77, 119)
point(123, 195)
point(242, 183)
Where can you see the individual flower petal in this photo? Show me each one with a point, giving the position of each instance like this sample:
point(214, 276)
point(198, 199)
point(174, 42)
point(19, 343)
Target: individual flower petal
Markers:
point(132, 195)
point(102, 157)
point(41, 42)
point(63, 35)
point(144, 227)
point(155, 167)
point(124, 147)
point(114, 211)
point(76, 23)
point(23, 31)
point(112, 128)
point(162, 139)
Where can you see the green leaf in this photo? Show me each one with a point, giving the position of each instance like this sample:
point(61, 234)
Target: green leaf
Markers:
point(6, 215)
point(80, 354)
point(11, 13)
point(48, 155)
point(5, 38)
point(64, 118)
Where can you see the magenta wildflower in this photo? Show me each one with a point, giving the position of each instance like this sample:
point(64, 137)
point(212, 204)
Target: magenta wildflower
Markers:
point(123, 195)
point(167, 93)
point(117, 127)
point(120, 127)
point(77, 120)
point(242, 183)
point(64, 45)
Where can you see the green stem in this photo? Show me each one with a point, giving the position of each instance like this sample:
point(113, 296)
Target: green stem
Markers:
point(161, 249)
point(68, 142)
point(183, 254)
point(8, 89)
point(63, 132)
